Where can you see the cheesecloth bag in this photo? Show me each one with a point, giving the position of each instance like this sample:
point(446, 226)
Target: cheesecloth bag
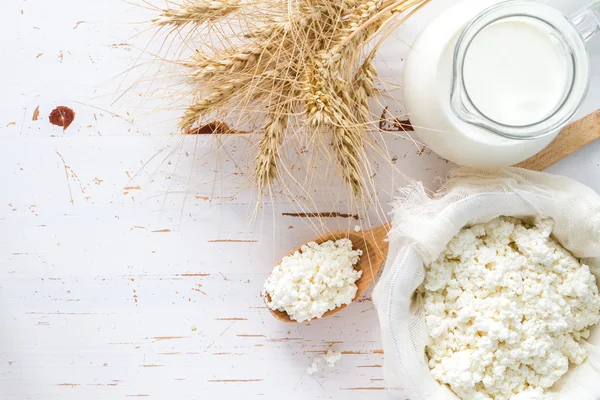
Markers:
point(423, 225)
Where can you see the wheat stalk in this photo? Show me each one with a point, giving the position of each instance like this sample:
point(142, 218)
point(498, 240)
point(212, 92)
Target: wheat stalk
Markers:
point(289, 55)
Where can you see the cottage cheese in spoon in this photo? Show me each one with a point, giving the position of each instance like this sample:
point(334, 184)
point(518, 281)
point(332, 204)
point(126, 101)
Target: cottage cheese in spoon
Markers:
point(314, 280)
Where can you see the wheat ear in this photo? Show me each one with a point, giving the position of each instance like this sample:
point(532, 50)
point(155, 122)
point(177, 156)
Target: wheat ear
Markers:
point(362, 88)
point(268, 154)
point(205, 104)
point(353, 116)
point(348, 142)
point(226, 62)
point(198, 12)
point(298, 20)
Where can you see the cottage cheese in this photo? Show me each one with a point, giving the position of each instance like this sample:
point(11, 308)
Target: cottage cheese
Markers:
point(314, 280)
point(507, 309)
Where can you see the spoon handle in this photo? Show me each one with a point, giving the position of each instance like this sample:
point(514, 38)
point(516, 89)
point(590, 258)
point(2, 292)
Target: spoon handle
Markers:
point(379, 243)
point(379, 238)
point(573, 137)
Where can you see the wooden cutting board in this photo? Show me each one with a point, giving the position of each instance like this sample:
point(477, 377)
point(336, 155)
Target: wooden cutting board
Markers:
point(573, 137)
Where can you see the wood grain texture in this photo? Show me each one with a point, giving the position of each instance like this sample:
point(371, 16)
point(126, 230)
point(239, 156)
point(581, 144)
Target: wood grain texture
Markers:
point(130, 267)
point(572, 138)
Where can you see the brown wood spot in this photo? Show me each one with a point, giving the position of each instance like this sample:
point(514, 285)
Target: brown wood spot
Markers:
point(346, 352)
point(159, 338)
point(231, 319)
point(364, 299)
point(394, 124)
point(231, 241)
point(321, 215)
point(62, 116)
point(217, 128)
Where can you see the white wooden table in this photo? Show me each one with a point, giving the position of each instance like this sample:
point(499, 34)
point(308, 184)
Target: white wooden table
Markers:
point(124, 270)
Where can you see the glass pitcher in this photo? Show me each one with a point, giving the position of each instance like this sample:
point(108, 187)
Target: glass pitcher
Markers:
point(570, 35)
point(477, 109)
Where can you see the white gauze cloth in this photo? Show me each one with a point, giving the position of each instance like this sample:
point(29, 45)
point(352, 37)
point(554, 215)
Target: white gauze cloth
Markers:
point(423, 226)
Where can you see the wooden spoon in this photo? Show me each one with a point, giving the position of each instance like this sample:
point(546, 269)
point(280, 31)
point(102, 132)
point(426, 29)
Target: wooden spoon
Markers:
point(374, 246)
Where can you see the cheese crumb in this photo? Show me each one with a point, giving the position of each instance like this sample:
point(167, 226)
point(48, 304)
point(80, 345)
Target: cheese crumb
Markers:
point(314, 366)
point(331, 358)
point(314, 280)
point(507, 309)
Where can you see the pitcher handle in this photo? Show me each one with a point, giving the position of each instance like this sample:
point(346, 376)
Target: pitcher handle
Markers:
point(587, 21)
